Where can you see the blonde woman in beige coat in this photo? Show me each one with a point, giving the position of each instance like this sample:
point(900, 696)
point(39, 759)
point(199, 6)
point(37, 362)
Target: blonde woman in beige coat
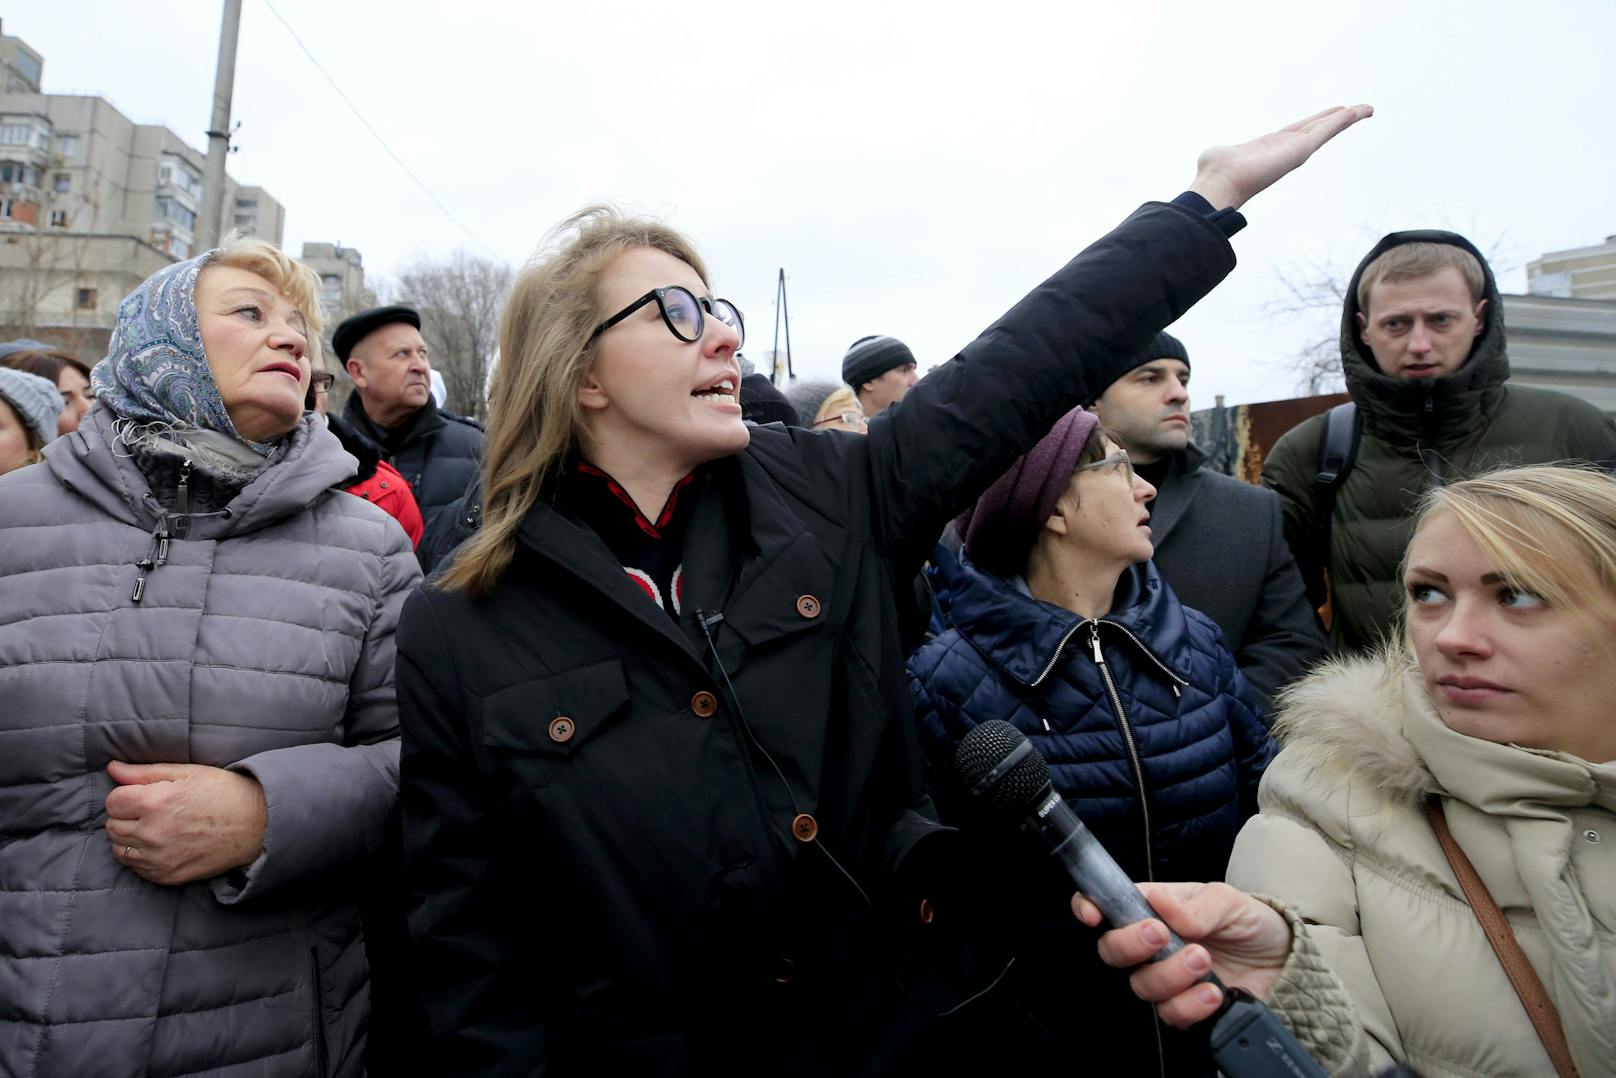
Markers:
point(1500, 706)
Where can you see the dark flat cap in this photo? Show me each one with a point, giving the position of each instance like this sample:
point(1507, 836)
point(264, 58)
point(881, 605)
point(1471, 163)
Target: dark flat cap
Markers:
point(356, 328)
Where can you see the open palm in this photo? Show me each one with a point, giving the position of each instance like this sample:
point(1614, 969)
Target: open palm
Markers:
point(1230, 175)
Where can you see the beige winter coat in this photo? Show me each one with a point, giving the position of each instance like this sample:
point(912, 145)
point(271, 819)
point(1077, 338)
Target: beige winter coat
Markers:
point(1343, 841)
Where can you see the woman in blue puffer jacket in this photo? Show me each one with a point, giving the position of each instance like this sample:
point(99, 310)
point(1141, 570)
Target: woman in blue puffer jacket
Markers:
point(1061, 626)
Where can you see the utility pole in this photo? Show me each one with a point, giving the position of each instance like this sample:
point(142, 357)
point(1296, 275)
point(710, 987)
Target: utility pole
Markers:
point(224, 80)
point(782, 317)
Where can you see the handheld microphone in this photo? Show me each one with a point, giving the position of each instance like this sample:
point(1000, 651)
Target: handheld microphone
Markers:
point(1001, 771)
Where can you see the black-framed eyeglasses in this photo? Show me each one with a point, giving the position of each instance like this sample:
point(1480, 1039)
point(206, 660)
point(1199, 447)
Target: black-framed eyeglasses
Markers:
point(1118, 461)
point(682, 311)
point(319, 382)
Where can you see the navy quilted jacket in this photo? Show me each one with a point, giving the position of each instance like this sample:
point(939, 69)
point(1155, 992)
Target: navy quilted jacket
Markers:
point(1189, 734)
point(1192, 740)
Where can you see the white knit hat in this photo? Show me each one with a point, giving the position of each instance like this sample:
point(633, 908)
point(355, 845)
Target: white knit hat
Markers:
point(36, 402)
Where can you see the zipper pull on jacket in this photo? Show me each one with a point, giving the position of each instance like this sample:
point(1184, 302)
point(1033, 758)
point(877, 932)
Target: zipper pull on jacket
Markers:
point(155, 558)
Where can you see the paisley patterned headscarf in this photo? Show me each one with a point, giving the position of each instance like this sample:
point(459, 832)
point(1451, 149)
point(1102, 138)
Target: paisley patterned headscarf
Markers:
point(156, 372)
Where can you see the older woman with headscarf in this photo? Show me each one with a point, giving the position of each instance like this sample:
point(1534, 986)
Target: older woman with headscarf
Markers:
point(198, 745)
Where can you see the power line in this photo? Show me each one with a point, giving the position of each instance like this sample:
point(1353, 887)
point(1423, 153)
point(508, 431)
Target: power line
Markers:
point(377, 134)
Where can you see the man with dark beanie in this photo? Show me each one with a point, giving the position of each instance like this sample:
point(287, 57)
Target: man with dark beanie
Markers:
point(880, 370)
point(1219, 542)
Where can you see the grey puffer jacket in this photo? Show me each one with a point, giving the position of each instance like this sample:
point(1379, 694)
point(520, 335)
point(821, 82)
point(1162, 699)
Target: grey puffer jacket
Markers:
point(263, 643)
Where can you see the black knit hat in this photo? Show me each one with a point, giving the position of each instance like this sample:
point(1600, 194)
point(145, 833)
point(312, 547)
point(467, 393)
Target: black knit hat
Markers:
point(869, 358)
point(762, 403)
point(1165, 346)
point(357, 327)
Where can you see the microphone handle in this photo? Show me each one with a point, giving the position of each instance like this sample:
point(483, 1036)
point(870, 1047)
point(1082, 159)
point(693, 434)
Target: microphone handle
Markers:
point(1094, 870)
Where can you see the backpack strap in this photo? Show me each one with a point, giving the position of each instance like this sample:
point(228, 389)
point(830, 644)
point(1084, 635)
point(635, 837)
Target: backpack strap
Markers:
point(1522, 977)
point(1338, 452)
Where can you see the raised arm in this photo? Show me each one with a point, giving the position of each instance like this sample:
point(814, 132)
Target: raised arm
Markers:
point(967, 421)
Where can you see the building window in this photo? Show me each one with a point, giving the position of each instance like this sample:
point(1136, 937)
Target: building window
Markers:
point(246, 203)
point(58, 219)
point(67, 145)
point(29, 67)
point(84, 299)
point(180, 215)
point(16, 134)
point(174, 172)
point(6, 206)
point(64, 182)
point(179, 248)
point(17, 172)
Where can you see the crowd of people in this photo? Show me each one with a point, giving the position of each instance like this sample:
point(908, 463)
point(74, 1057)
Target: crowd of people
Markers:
point(619, 738)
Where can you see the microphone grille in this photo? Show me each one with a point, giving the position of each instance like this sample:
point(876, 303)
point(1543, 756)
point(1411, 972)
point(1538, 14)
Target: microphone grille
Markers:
point(1022, 785)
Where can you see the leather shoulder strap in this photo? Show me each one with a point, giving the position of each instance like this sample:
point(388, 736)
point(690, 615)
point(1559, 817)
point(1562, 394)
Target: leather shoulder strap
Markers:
point(1539, 1008)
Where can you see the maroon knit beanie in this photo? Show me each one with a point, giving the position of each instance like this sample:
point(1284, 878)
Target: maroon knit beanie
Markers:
point(1000, 528)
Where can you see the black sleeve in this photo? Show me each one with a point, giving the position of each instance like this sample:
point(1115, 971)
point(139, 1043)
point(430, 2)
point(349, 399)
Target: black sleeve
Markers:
point(1284, 637)
point(934, 452)
point(473, 976)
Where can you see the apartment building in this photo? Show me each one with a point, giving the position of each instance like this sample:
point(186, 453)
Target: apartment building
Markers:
point(91, 204)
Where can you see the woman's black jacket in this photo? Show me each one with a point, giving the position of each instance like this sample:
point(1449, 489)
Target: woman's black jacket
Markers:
point(628, 851)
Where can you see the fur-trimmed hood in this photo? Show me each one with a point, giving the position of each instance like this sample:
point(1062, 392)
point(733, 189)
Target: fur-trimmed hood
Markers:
point(1348, 717)
point(1369, 720)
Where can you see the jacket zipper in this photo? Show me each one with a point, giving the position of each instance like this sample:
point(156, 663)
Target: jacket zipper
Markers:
point(1139, 777)
point(1133, 749)
point(182, 502)
point(1055, 658)
point(322, 1060)
point(155, 558)
point(1175, 681)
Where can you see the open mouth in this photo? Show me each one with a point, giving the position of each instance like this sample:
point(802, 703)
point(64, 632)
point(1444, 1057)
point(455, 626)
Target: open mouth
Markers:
point(722, 389)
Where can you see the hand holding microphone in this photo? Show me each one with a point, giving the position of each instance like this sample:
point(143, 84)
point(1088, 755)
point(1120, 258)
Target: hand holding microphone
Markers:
point(1000, 770)
point(1242, 941)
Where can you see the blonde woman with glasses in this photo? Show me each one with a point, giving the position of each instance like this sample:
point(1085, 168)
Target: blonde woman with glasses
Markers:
point(841, 411)
point(662, 807)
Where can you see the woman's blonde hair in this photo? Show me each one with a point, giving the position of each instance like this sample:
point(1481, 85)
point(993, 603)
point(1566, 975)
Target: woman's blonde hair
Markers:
point(1544, 528)
point(290, 277)
point(840, 400)
point(544, 353)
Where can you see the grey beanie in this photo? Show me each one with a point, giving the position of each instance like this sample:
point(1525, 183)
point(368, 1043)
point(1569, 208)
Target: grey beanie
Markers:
point(869, 358)
point(36, 402)
point(22, 344)
point(806, 397)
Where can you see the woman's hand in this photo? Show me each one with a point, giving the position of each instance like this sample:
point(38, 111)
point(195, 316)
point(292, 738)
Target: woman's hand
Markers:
point(1227, 931)
point(1231, 175)
point(175, 823)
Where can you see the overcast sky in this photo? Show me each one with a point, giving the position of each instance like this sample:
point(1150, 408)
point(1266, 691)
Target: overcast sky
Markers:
point(914, 167)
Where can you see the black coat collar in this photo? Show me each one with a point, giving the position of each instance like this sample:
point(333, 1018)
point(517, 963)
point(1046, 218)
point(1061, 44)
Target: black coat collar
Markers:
point(424, 422)
point(1177, 490)
point(749, 560)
